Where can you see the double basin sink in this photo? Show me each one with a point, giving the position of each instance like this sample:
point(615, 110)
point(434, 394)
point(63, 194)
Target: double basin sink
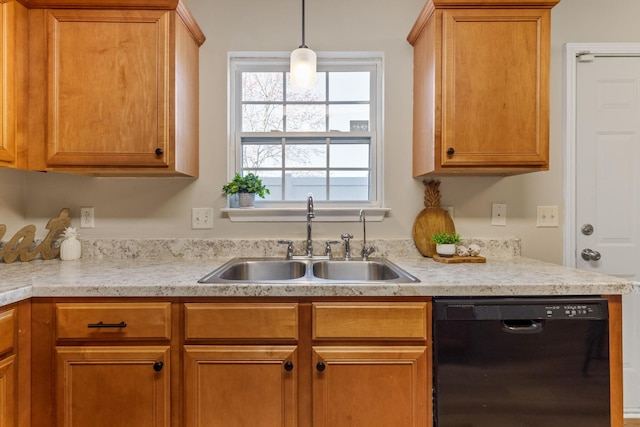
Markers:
point(308, 270)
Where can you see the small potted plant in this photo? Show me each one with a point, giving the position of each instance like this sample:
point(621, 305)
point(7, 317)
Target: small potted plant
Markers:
point(246, 187)
point(446, 243)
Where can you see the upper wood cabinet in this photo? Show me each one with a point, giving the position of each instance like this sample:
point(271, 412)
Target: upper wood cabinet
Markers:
point(13, 84)
point(113, 91)
point(481, 87)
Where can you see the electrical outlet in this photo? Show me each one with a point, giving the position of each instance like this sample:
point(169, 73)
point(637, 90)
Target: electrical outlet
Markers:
point(87, 217)
point(201, 218)
point(448, 209)
point(547, 216)
point(499, 214)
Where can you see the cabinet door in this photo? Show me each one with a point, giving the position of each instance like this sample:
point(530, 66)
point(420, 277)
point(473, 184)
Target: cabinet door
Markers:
point(370, 386)
point(495, 84)
point(108, 81)
point(241, 386)
point(12, 82)
point(8, 398)
point(124, 386)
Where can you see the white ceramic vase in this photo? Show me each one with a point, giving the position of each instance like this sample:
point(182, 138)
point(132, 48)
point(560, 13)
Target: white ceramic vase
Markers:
point(70, 249)
point(447, 250)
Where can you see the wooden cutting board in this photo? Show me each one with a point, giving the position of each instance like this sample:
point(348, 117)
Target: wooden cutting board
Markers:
point(459, 259)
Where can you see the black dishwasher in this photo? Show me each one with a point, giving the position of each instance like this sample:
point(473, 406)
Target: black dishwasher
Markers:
point(521, 362)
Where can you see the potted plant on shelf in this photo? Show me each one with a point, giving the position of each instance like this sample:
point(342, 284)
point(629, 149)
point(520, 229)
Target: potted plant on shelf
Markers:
point(446, 243)
point(246, 187)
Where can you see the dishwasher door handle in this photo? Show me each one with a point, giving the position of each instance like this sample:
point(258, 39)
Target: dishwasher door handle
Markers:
point(522, 326)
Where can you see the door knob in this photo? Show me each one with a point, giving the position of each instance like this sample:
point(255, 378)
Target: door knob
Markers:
point(590, 255)
point(587, 229)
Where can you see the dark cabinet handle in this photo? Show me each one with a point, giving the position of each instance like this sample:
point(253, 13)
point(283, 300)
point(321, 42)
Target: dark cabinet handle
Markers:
point(159, 151)
point(451, 151)
point(288, 366)
point(158, 366)
point(320, 366)
point(107, 325)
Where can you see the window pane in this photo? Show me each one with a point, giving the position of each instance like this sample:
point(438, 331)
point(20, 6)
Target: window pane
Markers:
point(306, 155)
point(262, 86)
point(349, 156)
point(273, 181)
point(306, 118)
point(261, 156)
point(349, 86)
point(344, 117)
point(346, 185)
point(299, 184)
point(262, 118)
point(318, 93)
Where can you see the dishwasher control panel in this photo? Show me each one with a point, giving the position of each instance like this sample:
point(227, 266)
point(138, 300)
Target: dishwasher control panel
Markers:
point(522, 308)
point(578, 311)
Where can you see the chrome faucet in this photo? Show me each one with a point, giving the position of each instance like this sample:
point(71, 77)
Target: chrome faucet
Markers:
point(310, 214)
point(365, 251)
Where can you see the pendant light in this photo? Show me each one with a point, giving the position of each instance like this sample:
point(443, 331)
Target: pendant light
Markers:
point(303, 63)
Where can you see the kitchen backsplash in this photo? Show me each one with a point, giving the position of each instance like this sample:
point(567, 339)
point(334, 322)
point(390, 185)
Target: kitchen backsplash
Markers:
point(209, 248)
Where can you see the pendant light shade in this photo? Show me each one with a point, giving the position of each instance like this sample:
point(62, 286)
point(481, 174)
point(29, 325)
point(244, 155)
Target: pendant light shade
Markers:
point(303, 63)
point(303, 67)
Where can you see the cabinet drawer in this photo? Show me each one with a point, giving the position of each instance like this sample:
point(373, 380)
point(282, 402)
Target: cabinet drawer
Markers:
point(7, 330)
point(231, 321)
point(370, 321)
point(108, 321)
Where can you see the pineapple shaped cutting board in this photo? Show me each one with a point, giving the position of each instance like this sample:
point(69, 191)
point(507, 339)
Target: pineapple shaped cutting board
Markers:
point(432, 219)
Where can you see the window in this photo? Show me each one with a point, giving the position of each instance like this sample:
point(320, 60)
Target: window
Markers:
point(325, 140)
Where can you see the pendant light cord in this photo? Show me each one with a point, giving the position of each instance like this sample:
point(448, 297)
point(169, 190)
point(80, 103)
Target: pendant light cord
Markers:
point(303, 45)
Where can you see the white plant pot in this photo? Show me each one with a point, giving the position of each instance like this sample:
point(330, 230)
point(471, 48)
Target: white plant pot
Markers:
point(447, 250)
point(247, 200)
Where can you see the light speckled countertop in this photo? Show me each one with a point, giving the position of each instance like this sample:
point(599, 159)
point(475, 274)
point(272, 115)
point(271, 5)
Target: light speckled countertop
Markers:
point(177, 277)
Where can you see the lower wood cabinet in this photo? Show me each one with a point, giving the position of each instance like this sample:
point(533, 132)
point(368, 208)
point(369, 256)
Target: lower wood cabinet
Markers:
point(241, 386)
point(112, 386)
point(103, 363)
point(321, 364)
point(8, 369)
point(230, 363)
point(370, 386)
point(8, 393)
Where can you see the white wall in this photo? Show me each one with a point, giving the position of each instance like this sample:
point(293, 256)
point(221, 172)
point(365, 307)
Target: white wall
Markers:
point(149, 207)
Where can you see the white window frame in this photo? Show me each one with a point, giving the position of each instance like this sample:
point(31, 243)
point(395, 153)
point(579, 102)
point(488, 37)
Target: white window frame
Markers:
point(294, 210)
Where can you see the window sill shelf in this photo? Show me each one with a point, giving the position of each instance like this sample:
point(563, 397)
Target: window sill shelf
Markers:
point(300, 214)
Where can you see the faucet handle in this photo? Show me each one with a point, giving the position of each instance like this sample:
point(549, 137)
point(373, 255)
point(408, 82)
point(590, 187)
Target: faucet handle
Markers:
point(327, 246)
point(289, 244)
point(347, 247)
point(366, 252)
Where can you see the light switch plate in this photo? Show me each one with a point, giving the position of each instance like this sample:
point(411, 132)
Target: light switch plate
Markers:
point(548, 216)
point(201, 218)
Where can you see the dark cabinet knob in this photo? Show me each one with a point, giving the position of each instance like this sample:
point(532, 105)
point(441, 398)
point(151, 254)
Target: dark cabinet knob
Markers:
point(320, 366)
point(451, 151)
point(288, 366)
point(159, 151)
point(158, 366)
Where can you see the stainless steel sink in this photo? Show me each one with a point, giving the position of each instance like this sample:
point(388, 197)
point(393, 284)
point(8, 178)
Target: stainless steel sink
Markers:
point(372, 270)
point(257, 270)
point(308, 271)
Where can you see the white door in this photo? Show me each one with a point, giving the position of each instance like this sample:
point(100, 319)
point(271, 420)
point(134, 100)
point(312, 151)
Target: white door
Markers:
point(608, 188)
